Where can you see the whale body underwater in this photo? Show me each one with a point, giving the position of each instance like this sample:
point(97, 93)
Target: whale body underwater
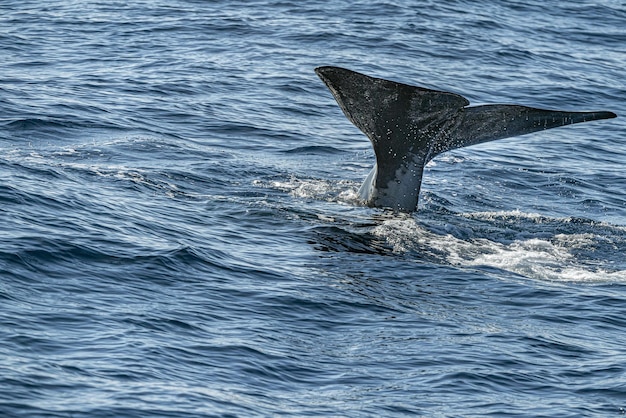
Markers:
point(408, 126)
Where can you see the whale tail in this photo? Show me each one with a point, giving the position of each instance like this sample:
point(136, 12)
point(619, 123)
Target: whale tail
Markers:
point(408, 126)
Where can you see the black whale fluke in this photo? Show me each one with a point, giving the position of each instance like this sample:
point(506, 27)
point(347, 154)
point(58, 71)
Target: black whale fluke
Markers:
point(409, 125)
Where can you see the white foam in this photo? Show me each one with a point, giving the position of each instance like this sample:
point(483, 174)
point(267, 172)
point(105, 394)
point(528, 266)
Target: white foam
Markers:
point(303, 188)
point(341, 191)
point(539, 257)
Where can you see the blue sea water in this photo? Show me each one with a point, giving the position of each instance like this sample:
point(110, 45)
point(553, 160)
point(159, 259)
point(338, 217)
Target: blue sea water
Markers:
point(180, 235)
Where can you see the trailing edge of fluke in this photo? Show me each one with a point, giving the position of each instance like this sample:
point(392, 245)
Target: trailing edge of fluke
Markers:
point(408, 126)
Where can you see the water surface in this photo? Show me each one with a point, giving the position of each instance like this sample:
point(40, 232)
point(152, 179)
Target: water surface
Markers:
point(180, 234)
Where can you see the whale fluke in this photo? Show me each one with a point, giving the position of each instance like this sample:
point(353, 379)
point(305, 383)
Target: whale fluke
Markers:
point(408, 126)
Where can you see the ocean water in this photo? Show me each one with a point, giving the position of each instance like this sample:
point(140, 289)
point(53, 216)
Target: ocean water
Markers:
point(180, 234)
